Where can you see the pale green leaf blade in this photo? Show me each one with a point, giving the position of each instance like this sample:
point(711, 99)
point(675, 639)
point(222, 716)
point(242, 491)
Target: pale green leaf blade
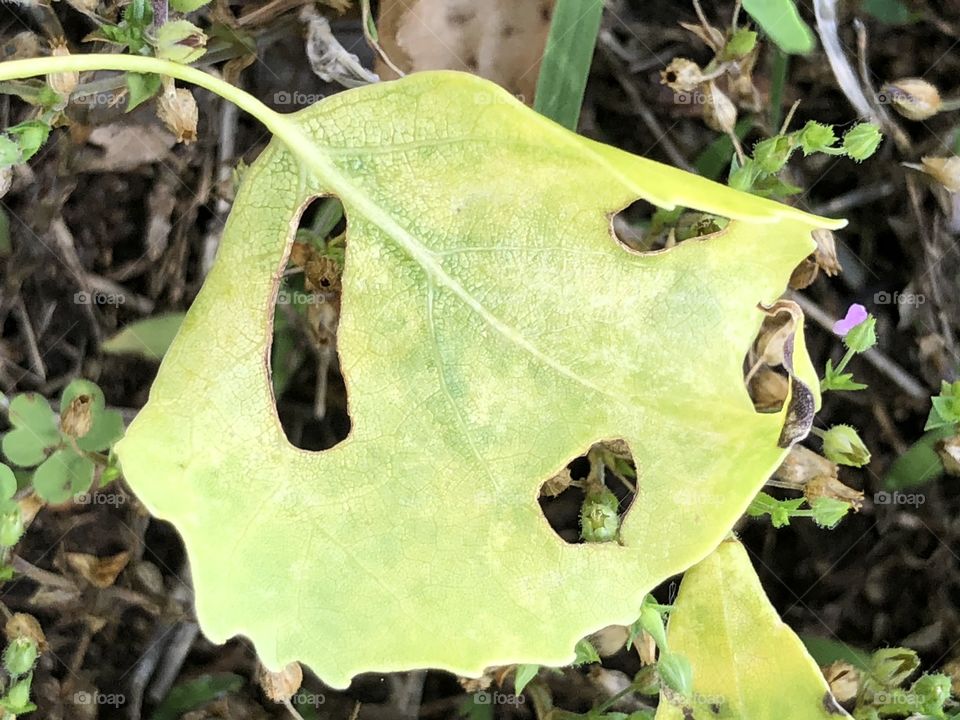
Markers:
point(492, 329)
point(147, 338)
point(746, 661)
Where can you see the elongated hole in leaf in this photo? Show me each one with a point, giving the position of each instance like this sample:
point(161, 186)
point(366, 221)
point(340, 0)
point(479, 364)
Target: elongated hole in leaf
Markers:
point(588, 499)
point(308, 388)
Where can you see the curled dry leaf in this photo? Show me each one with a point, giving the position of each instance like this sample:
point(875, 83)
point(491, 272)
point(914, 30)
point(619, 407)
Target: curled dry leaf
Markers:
point(329, 60)
point(283, 685)
point(99, 572)
point(782, 329)
point(500, 40)
point(21, 625)
point(557, 484)
point(768, 389)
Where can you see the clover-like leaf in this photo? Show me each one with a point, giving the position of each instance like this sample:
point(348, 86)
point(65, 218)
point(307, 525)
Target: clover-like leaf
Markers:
point(34, 433)
point(747, 663)
point(63, 475)
point(492, 329)
point(8, 483)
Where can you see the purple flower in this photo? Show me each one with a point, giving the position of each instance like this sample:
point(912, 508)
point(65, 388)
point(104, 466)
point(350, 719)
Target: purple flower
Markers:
point(855, 315)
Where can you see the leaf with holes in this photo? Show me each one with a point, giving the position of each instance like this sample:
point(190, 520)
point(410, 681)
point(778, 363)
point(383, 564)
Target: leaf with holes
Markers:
point(747, 663)
point(492, 329)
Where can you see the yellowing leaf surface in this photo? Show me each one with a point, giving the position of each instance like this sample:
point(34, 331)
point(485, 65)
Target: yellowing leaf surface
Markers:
point(492, 329)
point(747, 664)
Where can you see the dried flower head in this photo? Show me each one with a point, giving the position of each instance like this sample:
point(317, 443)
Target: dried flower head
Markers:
point(178, 110)
point(913, 98)
point(63, 83)
point(681, 75)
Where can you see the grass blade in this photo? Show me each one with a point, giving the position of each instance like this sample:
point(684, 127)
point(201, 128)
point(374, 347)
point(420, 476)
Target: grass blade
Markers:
point(566, 60)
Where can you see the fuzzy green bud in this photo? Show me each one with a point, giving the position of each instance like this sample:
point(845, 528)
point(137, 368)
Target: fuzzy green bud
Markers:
point(863, 336)
point(20, 655)
point(862, 141)
point(600, 517)
point(180, 41)
point(891, 666)
point(842, 445)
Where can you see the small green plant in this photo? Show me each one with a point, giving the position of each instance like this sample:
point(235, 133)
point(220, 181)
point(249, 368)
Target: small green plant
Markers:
point(62, 455)
point(760, 174)
point(945, 410)
point(826, 512)
point(24, 644)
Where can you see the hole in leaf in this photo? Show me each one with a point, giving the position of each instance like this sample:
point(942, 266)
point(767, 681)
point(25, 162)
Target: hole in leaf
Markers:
point(767, 363)
point(589, 498)
point(643, 227)
point(308, 388)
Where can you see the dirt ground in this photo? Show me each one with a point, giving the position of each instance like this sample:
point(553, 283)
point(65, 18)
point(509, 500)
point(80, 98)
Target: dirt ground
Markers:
point(112, 204)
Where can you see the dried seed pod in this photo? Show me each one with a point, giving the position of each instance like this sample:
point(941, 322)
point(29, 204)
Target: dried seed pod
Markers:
point(178, 111)
point(26, 626)
point(63, 83)
point(78, 418)
point(914, 98)
point(843, 679)
point(949, 452)
point(945, 170)
point(831, 487)
point(682, 75)
point(719, 112)
point(826, 252)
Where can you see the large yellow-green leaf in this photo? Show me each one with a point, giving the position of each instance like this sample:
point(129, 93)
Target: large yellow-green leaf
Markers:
point(492, 329)
point(747, 664)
